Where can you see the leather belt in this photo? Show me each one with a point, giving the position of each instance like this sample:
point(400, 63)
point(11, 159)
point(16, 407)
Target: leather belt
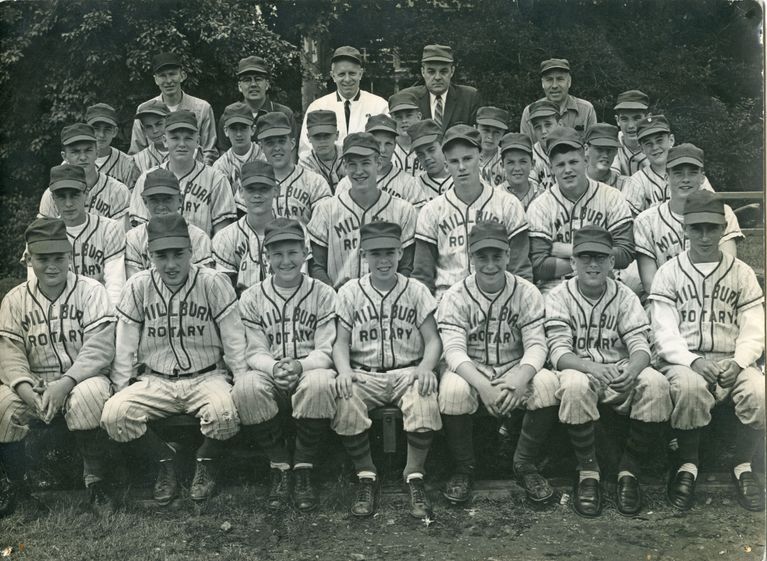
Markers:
point(375, 370)
point(178, 374)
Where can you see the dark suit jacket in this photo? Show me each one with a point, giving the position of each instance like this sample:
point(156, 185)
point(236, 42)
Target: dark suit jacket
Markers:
point(460, 108)
point(267, 107)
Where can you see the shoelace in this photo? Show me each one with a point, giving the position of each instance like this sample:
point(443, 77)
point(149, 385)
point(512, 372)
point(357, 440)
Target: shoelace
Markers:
point(417, 492)
point(365, 492)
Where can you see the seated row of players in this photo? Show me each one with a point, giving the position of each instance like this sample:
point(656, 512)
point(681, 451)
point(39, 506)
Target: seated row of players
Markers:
point(488, 339)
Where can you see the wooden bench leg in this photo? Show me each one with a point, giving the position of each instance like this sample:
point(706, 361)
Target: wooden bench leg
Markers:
point(389, 421)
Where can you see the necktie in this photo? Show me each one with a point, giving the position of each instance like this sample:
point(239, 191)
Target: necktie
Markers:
point(438, 110)
point(347, 113)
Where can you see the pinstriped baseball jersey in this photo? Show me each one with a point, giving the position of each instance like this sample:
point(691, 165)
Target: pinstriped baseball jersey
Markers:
point(614, 179)
point(230, 165)
point(707, 305)
point(179, 330)
point(332, 173)
point(491, 171)
point(108, 198)
point(150, 157)
point(206, 198)
point(299, 194)
point(397, 183)
point(533, 192)
point(446, 222)
point(646, 189)
point(385, 328)
point(659, 232)
point(432, 187)
point(288, 317)
point(99, 241)
point(541, 171)
point(628, 162)
point(492, 326)
point(336, 223)
point(52, 332)
point(137, 249)
point(606, 331)
point(405, 160)
point(117, 165)
point(238, 248)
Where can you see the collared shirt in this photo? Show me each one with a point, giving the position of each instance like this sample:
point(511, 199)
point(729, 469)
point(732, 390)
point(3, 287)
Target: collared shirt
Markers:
point(577, 113)
point(433, 103)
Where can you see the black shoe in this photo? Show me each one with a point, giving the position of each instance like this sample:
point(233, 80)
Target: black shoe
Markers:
point(750, 491)
point(279, 488)
point(204, 481)
point(100, 500)
point(420, 507)
point(587, 498)
point(537, 488)
point(458, 488)
point(365, 500)
point(166, 485)
point(304, 492)
point(681, 490)
point(628, 496)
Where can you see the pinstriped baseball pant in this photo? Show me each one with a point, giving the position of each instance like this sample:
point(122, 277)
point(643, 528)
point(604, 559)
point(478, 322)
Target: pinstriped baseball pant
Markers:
point(648, 401)
point(206, 396)
point(375, 389)
point(256, 397)
point(82, 408)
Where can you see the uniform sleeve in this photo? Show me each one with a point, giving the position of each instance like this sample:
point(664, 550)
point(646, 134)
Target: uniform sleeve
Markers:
point(96, 354)
point(425, 263)
point(11, 314)
point(127, 338)
point(222, 201)
point(130, 309)
point(633, 323)
point(98, 308)
point(13, 355)
point(620, 225)
point(408, 223)
point(114, 245)
point(426, 223)
point(531, 320)
point(122, 199)
point(258, 354)
point(320, 188)
point(114, 278)
point(643, 235)
point(451, 322)
point(558, 324)
point(321, 355)
point(669, 343)
point(208, 131)
point(133, 260)
point(233, 341)
point(425, 304)
point(633, 190)
point(319, 225)
point(519, 256)
point(326, 309)
point(345, 304)
point(731, 228)
point(201, 250)
point(221, 296)
point(224, 246)
point(138, 211)
point(749, 345)
point(47, 206)
point(524, 123)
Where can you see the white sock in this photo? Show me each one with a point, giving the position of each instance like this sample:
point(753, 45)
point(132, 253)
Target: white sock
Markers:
point(624, 473)
point(367, 475)
point(586, 474)
point(279, 465)
point(740, 469)
point(303, 465)
point(689, 468)
point(413, 476)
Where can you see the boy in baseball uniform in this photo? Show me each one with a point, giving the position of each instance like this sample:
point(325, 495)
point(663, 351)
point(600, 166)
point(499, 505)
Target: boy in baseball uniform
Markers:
point(386, 352)
point(517, 163)
point(491, 324)
point(630, 107)
point(151, 115)
point(178, 321)
point(442, 236)
point(707, 310)
point(575, 201)
point(403, 108)
point(492, 125)
point(602, 145)
point(598, 342)
point(290, 328)
point(162, 196)
point(104, 195)
point(206, 196)
point(56, 345)
point(325, 155)
point(335, 227)
point(109, 160)
point(544, 117)
point(426, 144)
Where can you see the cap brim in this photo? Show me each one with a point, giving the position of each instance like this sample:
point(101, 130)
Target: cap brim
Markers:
point(238, 119)
point(284, 237)
point(78, 138)
point(178, 242)
point(423, 141)
point(684, 160)
point(631, 105)
point(258, 180)
point(359, 151)
point(274, 132)
point(402, 107)
point(466, 139)
point(146, 112)
point(570, 143)
point(488, 242)
point(382, 128)
point(381, 243)
point(652, 130)
point(101, 119)
point(438, 59)
point(253, 70)
point(493, 123)
point(321, 129)
point(159, 190)
point(346, 57)
point(704, 218)
point(557, 67)
point(520, 147)
point(606, 142)
point(66, 184)
point(177, 126)
point(592, 247)
point(541, 114)
point(49, 246)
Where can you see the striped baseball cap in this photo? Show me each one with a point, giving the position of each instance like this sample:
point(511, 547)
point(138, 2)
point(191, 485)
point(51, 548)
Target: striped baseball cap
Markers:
point(169, 231)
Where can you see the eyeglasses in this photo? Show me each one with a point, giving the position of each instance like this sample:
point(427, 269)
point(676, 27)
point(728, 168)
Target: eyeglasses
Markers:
point(252, 79)
point(586, 258)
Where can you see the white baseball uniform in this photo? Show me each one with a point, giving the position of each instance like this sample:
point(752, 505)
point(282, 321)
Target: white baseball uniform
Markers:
point(299, 194)
point(628, 162)
point(646, 188)
point(119, 166)
point(397, 182)
point(433, 187)
point(491, 171)
point(541, 171)
point(148, 158)
point(533, 191)
point(230, 165)
point(405, 160)
point(239, 249)
point(137, 249)
point(108, 198)
point(332, 173)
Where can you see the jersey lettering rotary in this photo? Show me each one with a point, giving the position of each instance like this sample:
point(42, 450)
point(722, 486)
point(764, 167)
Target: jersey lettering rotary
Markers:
point(659, 232)
point(336, 226)
point(385, 328)
point(230, 165)
point(288, 317)
point(299, 194)
point(108, 198)
point(119, 166)
point(646, 189)
point(53, 332)
point(492, 326)
point(405, 160)
point(206, 198)
point(397, 183)
point(708, 305)
point(179, 330)
point(332, 173)
point(433, 187)
point(97, 242)
point(491, 170)
point(137, 249)
point(446, 222)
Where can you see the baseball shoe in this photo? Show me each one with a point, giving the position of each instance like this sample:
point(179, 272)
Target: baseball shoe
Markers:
point(420, 507)
point(458, 488)
point(204, 481)
point(750, 491)
point(304, 492)
point(7, 496)
point(587, 498)
point(628, 496)
point(681, 490)
point(365, 499)
point(100, 500)
point(166, 485)
point(279, 488)
point(537, 488)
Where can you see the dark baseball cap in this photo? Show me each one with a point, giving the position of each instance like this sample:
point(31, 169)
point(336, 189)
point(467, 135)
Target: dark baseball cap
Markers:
point(463, 133)
point(632, 99)
point(488, 233)
point(516, 141)
point(168, 231)
point(161, 182)
point(347, 53)
point(152, 107)
point(542, 108)
point(47, 235)
point(437, 53)
point(493, 117)
point(360, 144)
point(555, 64)
point(101, 113)
point(252, 65)
point(380, 235)
point(381, 123)
point(257, 172)
point(181, 119)
point(67, 176)
point(402, 100)
point(592, 239)
point(602, 134)
point(165, 60)
point(321, 121)
point(282, 230)
point(704, 207)
point(275, 123)
point(237, 112)
point(684, 153)
point(423, 132)
point(651, 125)
point(78, 132)
point(563, 135)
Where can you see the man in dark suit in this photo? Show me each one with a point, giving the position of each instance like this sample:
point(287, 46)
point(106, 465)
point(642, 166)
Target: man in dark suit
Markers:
point(448, 104)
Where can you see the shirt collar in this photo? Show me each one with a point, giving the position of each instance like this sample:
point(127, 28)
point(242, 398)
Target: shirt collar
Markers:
point(341, 99)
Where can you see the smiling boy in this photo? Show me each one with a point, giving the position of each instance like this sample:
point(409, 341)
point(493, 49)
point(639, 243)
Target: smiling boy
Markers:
point(151, 115)
point(544, 117)
point(630, 108)
point(492, 124)
point(426, 143)
point(517, 162)
point(602, 145)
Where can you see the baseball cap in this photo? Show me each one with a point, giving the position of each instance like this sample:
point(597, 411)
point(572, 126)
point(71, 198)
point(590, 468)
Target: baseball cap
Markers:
point(47, 235)
point(381, 123)
point(78, 132)
point(592, 239)
point(165, 60)
point(684, 153)
point(437, 53)
point(632, 99)
point(464, 133)
point(152, 107)
point(488, 233)
point(380, 235)
point(237, 112)
point(704, 207)
point(555, 64)
point(67, 176)
point(602, 134)
point(360, 144)
point(252, 64)
point(283, 229)
point(542, 108)
point(321, 121)
point(516, 141)
point(101, 113)
point(257, 171)
point(181, 119)
point(563, 135)
point(402, 100)
point(161, 182)
point(347, 53)
point(423, 132)
point(493, 117)
point(167, 232)
point(271, 124)
point(651, 125)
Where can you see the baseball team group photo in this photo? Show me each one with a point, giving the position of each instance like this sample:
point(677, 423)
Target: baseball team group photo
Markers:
point(317, 279)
